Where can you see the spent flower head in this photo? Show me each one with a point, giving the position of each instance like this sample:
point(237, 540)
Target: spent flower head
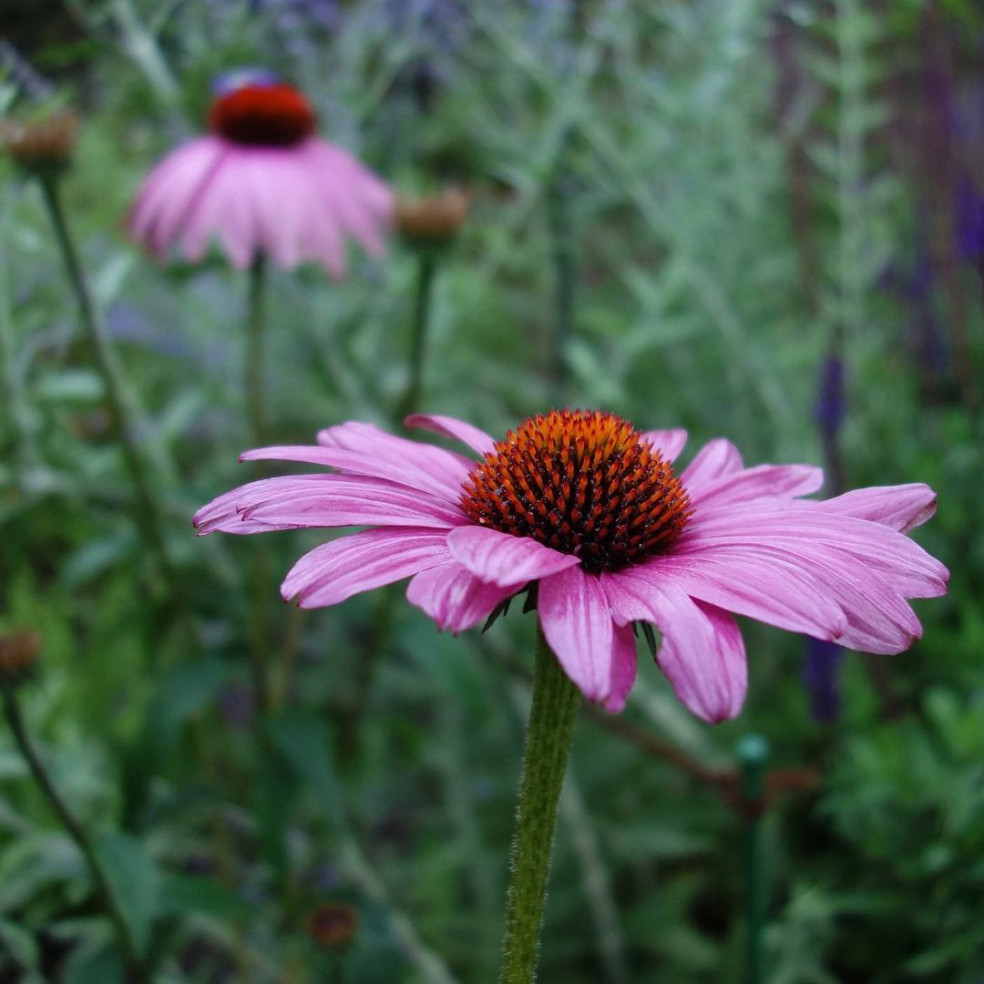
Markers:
point(432, 221)
point(42, 142)
point(592, 520)
point(19, 652)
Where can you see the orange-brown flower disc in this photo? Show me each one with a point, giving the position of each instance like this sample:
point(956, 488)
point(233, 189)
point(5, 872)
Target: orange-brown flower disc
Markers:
point(266, 115)
point(583, 482)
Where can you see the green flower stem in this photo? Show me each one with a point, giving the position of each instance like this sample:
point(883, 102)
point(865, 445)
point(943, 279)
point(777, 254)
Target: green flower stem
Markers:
point(753, 752)
point(148, 514)
point(255, 331)
point(75, 830)
point(421, 323)
point(548, 743)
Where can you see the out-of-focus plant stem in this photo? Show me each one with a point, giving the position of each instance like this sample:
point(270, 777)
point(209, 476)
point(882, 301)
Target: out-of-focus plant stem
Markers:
point(256, 409)
point(77, 832)
point(548, 744)
point(426, 271)
point(753, 752)
point(148, 513)
point(565, 282)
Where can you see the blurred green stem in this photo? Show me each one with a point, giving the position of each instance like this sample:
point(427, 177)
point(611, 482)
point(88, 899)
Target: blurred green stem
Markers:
point(565, 282)
point(255, 331)
point(78, 834)
point(421, 323)
point(148, 514)
point(549, 735)
point(753, 753)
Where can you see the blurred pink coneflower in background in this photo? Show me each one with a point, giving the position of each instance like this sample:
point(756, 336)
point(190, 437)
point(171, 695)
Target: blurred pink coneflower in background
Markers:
point(261, 184)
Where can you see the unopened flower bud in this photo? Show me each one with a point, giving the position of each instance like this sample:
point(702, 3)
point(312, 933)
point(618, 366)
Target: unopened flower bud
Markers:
point(333, 924)
point(42, 144)
point(432, 220)
point(19, 653)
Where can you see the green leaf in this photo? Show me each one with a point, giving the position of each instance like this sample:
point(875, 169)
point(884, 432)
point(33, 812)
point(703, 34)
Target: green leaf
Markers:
point(19, 946)
point(95, 965)
point(189, 689)
point(305, 743)
point(184, 895)
point(135, 881)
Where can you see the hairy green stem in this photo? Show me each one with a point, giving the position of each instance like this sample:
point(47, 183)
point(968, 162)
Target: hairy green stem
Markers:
point(548, 744)
point(75, 830)
point(421, 323)
point(148, 513)
point(753, 752)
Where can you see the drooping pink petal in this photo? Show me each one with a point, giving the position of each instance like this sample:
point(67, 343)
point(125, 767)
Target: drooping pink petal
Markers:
point(760, 482)
point(359, 562)
point(715, 459)
point(502, 559)
point(800, 528)
point(577, 624)
point(468, 434)
point(702, 653)
point(326, 501)
point(771, 589)
point(171, 192)
point(900, 507)
point(623, 667)
point(669, 443)
point(454, 597)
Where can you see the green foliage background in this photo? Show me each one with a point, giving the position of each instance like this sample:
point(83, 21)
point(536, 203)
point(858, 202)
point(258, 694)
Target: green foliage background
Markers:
point(743, 185)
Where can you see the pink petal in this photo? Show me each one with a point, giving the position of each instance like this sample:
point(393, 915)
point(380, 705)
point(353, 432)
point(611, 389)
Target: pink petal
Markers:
point(669, 443)
point(702, 652)
point(900, 507)
point(322, 501)
point(371, 451)
point(502, 559)
point(623, 667)
point(577, 623)
point(359, 562)
point(454, 597)
point(762, 481)
point(715, 459)
point(770, 589)
point(476, 439)
point(801, 527)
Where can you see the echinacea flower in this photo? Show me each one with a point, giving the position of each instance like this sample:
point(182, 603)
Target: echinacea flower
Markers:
point(588, 514)
point(261, 183)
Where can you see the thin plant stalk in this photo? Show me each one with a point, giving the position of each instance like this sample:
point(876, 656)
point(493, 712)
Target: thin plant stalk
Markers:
point(254, 393)
point(148, 513)
point(77, 832)
point(255, 332)
point(565, 282)
point(753, 752)
point(426, 271)
point(549, 736)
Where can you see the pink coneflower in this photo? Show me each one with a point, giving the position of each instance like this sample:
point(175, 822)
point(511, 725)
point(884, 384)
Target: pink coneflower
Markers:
point(588, 514)
point(262, 185)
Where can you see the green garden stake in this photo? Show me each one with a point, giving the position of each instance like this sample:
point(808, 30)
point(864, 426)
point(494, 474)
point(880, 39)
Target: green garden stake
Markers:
point(753, 752)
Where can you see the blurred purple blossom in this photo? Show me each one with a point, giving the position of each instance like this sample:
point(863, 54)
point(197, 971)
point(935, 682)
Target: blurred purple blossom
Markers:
point(969, 220)
point(831, 406)
point(821, 674)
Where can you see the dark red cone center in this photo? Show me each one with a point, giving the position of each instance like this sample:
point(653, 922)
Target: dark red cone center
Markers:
point(584, 482)
point(267, 115)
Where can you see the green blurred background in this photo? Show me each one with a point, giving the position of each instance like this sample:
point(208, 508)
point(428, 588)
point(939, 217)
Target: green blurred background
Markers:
point(769, 217)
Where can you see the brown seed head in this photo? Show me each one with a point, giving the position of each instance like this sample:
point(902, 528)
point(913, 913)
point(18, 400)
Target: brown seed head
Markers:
point(432, 219)
point(584, 482)
point(42, 143)
point(19, 652)
point(333, 924)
